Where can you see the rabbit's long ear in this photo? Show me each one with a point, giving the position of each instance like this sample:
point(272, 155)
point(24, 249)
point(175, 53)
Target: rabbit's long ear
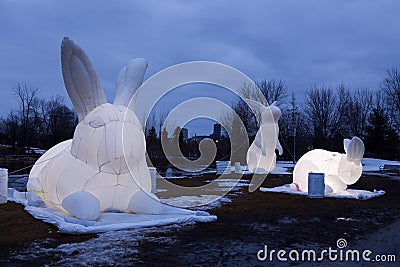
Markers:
point(255, 105)
point(346, 143)
point(80, 79)
point(129, 80)
point(275, 104)
point(355, 150)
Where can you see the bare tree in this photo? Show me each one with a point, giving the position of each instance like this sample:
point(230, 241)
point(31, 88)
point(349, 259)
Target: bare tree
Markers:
point(391, 86)
point(381, 137)
point(265, 91)
point(293, 134)
point(320, 110)
point(250, 91)
point(333, 115)
point(161, 116)
point(62, 120)
point(42, 109)
point(27, 96)
point(10, 127)
point(273, 90)
point(53, 121)
point(38, 122)
point(358, 110)
point(236, 125)
point(150, 123)
point(247, 116)
point(341, 123)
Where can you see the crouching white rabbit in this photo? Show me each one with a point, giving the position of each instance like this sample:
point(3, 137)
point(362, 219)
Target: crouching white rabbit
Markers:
point(103, 168)
point(340, 170)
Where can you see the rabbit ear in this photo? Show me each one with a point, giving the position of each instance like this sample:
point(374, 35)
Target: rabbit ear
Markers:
point(346, 143)
point(355, 150)
point(80, 79)
point(275, 104)
point(129, 80)
point(255, 105)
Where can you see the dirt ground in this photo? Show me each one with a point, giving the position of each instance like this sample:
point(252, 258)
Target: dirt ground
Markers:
point(244, 226)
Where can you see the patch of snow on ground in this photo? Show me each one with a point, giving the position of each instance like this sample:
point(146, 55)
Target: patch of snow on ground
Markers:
point(287, 220)
point(172, 177)
point(370, 164)
point(121, 247)
point(202, 202)
point(10, 146)
point(160, 190)
point(172, 173)
point(18, 181)
point(35, 150)
point(282, 167)
point(285, 164)
point(231, 183)
point(349, 193)
point(345, 219)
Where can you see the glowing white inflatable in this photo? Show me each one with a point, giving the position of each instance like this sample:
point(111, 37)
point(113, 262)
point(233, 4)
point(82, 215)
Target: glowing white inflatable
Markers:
point(90, 174)
point(340, 169)
point(261, 157)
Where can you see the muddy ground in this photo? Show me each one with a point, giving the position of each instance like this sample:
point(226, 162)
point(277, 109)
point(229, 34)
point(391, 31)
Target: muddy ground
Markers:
point(244, 226)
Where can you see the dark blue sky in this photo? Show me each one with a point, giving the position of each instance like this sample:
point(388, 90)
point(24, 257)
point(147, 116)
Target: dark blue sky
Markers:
point(303, 42)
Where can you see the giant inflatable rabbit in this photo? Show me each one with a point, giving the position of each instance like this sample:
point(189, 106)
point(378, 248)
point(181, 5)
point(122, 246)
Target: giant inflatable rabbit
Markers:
point(89, 174)
point(261, 157)
point(340, 169)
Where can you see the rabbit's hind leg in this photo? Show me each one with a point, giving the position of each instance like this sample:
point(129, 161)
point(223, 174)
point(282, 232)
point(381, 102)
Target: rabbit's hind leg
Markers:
point(334, 183)
point(147, 203)
point(82, 205)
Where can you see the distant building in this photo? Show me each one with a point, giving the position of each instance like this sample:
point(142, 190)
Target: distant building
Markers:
point(198, 138)
point(219, 132)
point(185, 134)
point(216, 135)
point(224, 134)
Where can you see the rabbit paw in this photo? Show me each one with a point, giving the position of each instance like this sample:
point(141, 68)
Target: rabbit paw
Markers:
point(82, 205)
point(145, 203)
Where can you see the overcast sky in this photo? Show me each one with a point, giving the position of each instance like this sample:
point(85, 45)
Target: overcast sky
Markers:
point(302, 42)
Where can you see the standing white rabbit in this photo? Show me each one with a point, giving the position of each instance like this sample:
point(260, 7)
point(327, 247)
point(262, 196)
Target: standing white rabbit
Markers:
point(261, 157)
point(103, 168)
point(340, 169)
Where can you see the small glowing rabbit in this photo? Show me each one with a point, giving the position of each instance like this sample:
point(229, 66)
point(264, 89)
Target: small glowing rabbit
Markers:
point(261, 157)
point(340, 169)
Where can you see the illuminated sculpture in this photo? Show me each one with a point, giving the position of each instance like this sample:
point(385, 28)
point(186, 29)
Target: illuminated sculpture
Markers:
point(261, 157)
point(340, 169)
point(90, 174)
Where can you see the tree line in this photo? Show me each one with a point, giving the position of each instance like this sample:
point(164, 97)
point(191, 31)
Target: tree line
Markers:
point(322, 119)
point(329, 114)
point(38, 122)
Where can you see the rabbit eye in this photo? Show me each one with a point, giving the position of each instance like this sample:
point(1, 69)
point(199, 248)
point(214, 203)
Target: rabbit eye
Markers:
point(97, 122)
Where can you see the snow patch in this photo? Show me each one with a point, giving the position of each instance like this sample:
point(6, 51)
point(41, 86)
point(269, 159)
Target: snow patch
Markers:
point(107, 249)
point(349, 193)
point(203, 202)
point(371, 164)
point(108, 221)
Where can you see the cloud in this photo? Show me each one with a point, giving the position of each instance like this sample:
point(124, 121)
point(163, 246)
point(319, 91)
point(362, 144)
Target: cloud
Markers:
point(302, 42)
